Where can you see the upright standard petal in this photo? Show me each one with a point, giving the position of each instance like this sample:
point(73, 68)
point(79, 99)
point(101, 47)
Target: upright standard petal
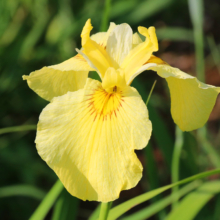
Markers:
point(140, 54)
point(101, 38)
point(88, 138)
point(191, 100)
point(57, 80)
point(94, 53)
point(136, 40)
point(153, 61)
point(119, 43)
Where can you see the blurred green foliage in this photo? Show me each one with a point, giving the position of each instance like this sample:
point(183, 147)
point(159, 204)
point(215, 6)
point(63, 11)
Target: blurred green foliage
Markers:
point(37, 33)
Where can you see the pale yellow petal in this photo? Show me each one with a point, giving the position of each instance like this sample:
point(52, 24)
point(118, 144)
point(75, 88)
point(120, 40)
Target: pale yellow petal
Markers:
point(153, 61)
point(93, 52)
point(113, 79)
point(191, 100)
point(119, 43)
point(88, 138)
point(139, 55)
point(136, 40)
point(57, 80)
point(76, 63)
point(102, 37)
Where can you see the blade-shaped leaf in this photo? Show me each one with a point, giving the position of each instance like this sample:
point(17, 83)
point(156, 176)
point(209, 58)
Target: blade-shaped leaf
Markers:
point(66, 207)
point(47, 202)
point(160, 205)
point(122, 208)
point(22, 190)
point(194, 201)
point(18, 128)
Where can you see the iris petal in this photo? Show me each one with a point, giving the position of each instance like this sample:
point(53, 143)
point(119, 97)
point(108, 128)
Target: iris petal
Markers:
point(94, 52)
point(57, 80)
point(140, 54)
point(88, 138)
point(119, 43)
point(191, 100)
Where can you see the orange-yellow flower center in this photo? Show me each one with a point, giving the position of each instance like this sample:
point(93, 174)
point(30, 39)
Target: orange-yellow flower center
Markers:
point(103, 104)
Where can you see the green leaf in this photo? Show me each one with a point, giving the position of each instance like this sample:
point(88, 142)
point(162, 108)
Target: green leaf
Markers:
point(124, 207)
point(105, 16)
point(161, 134)
point(196, 14)
point(206, 145)
point(194, 201)
point(176, 160)
point(146, 9)
point(214, 51)
point(175, 34)
point(217, 210)
point(18, 129)
point(163, 203)
point(66, 207)
point(47, 202)
point(95, 214)
point(22, 190)
point(151, 169)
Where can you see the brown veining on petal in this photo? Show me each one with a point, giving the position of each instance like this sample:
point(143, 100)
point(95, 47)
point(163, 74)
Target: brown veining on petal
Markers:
point(104, 104)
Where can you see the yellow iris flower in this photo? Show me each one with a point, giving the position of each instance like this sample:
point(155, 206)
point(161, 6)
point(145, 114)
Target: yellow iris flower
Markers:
point(88, 132)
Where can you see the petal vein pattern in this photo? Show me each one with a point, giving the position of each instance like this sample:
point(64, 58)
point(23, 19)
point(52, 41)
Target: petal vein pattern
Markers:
point(140, 54)
point(57, 80)
point(88, 138)
point(191, 100)
point(119, 43)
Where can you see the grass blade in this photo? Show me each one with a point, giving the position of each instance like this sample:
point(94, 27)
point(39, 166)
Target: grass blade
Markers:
point(176, 160)
point(211, 152)
point(163, 203)
point(66, 207)
point(161, 134)
point(22, 190)
point(152, 88)
point(105, 17)
point(194, 201)
point(122, 208)
point(47, 202)
point(151, 167)
point(175, 34)
point(145, 9)
point(95, 214)
point(214, 51)
point(18, 129)
point(196, 14)
point(153, 180)
point(217, 210)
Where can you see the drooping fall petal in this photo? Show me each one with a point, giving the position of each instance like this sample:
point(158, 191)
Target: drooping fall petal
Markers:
point(191, 100)
point(57, 80)
point(88, 138)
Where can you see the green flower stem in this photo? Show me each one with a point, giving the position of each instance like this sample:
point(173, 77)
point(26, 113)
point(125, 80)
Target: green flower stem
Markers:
point(105, 207)
point(175, 162)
